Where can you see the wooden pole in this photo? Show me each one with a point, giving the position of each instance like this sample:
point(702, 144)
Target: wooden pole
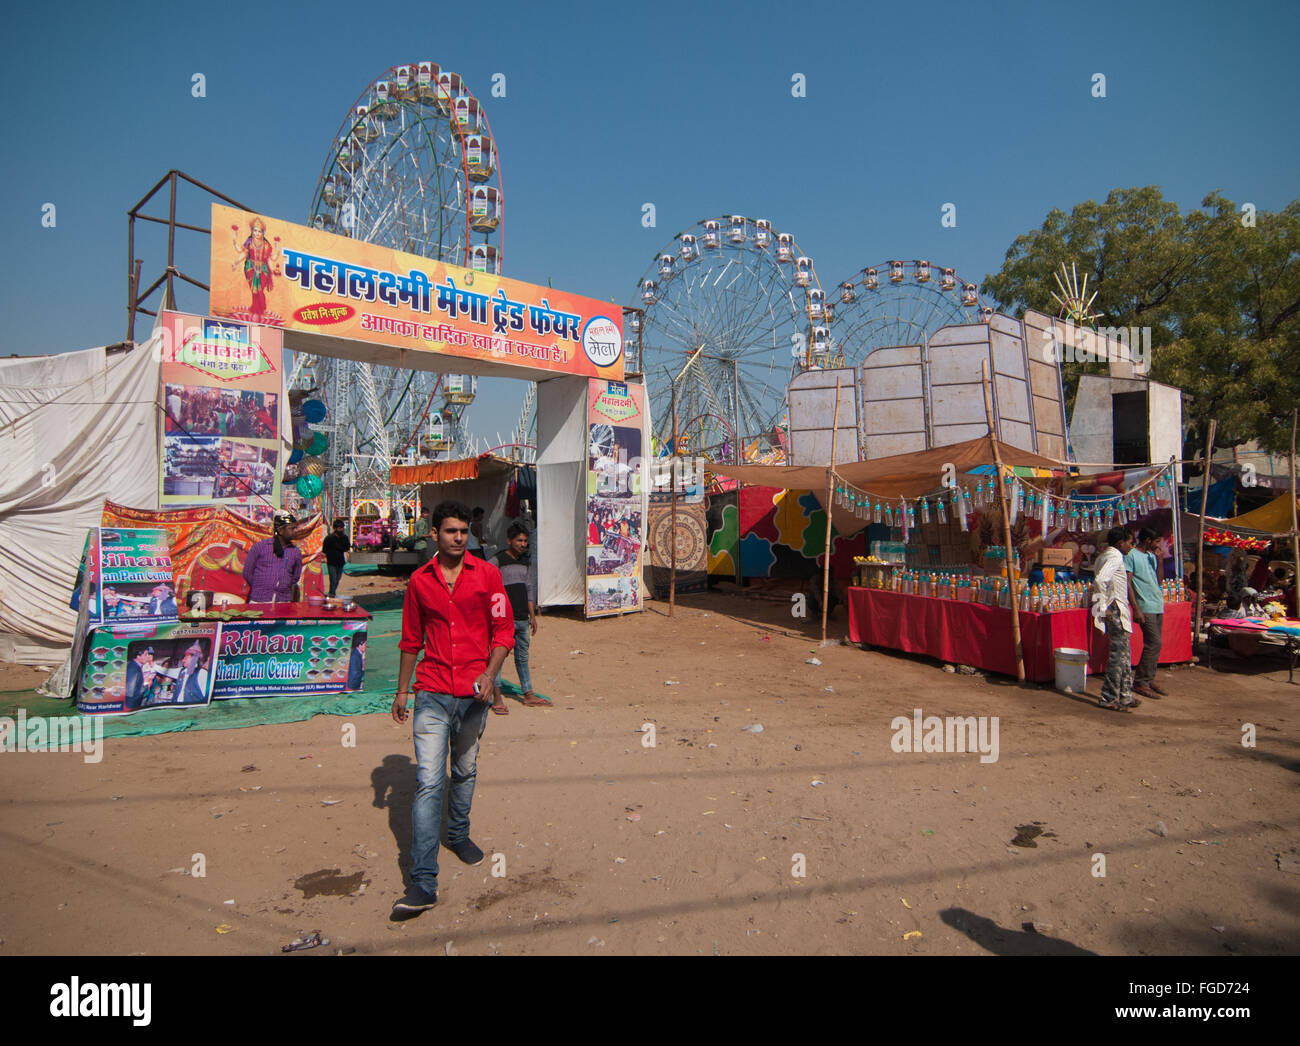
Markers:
point(1200, 531)
point(830, 497)
point(672, 532)
point(1006, 528)
point(1295, 530)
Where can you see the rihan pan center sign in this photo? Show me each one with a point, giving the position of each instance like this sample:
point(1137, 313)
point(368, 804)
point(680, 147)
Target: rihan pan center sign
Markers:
point(284, 275)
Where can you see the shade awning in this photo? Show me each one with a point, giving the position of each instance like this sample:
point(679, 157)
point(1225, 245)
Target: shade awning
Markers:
point(910, 475)
point(485, 465)
point(898, 476)
point(1273, 518)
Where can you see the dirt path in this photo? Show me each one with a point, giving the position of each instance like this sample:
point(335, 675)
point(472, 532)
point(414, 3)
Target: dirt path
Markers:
point(608, 845)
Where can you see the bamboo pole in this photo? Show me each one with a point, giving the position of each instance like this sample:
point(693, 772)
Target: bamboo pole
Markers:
point(672, 529)
point(830, 494)
point(1006, 528)
point(1200, 531)
point(1295, 530)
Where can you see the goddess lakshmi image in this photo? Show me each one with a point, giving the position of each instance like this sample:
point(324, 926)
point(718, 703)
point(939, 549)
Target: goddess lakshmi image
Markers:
point(256, 254)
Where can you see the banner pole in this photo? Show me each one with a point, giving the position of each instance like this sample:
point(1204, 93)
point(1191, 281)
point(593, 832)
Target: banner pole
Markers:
point(1295, 530)
point(830, 491)
point(1006, 529)
point(1200, 532)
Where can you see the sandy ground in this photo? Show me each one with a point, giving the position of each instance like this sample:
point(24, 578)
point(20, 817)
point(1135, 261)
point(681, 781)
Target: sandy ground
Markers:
point(689, 846)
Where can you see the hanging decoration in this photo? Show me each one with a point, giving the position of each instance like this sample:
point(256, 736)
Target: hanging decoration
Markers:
point(1073, 513)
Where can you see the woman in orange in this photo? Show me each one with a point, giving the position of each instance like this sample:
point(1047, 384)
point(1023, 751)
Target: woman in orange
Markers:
point(256, 256)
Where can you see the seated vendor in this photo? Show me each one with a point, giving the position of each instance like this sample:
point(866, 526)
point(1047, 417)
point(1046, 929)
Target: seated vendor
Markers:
point(274, 566)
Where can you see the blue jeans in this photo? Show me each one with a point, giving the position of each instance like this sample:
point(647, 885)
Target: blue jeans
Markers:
point(442, 725)
point(335, 574)
point(522, 635)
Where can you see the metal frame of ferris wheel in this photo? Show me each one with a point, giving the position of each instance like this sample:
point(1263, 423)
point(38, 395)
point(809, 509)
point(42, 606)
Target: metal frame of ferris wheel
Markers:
point(356, 387)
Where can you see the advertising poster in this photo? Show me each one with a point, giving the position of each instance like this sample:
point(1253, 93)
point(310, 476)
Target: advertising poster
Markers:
point(615, 479)
point(268, 659)
point(133, 581)
point(209, 546)
point(133, 667)
point(272, 272)
point(222, 394)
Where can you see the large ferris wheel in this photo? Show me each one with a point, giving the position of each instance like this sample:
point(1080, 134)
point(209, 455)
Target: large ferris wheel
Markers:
point(414, 167)
point(730, 309)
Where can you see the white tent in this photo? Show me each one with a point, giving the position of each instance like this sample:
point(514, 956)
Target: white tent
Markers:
point(75, 429)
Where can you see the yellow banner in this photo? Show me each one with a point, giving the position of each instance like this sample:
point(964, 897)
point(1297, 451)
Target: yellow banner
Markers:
point(279, 274)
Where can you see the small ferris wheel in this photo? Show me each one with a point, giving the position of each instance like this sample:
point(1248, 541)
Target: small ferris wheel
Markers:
point(725, 315)
point(886, 305)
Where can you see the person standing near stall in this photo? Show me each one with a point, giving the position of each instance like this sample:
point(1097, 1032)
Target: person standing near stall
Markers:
point(1145, 572)
point(458, 614)
point(516, 575)
point(336, 547)
point(1112, 615)
point(274, 565)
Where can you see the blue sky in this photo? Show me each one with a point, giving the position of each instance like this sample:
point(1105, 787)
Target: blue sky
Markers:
point(609, 106)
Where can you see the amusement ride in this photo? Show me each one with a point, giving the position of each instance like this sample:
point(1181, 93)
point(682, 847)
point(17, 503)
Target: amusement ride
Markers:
point(414, 167)
point(725, 314)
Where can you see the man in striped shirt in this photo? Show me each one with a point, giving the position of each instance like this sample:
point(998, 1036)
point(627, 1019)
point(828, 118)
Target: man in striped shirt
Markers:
point(513, 563)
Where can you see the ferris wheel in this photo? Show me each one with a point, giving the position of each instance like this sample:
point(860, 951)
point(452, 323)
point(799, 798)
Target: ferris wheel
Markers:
point(886, 305)
point(727, 312)
point(413, 166)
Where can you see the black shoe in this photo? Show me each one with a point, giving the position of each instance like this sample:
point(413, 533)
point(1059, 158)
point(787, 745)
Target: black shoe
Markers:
point(466, 851)
point(415, 902)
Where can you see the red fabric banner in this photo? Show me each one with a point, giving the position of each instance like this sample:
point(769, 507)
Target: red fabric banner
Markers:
point(973, 634)
point(209, 544)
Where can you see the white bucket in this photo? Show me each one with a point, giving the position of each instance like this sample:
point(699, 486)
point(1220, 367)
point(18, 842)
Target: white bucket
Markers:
point(1071, 670)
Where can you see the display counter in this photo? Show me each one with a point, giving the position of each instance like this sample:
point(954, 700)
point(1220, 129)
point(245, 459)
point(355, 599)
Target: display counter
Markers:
point(257, 650)
point(974, 634)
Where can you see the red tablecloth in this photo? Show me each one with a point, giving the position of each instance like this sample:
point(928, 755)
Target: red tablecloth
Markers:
point(298, 612)
point(972, 634)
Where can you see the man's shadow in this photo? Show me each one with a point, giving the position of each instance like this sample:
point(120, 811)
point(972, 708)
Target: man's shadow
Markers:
point(394, 783)
point(394, 789)
point(1003, 941)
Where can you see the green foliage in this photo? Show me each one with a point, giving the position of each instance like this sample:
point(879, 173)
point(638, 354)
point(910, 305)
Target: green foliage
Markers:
point(1222, 299)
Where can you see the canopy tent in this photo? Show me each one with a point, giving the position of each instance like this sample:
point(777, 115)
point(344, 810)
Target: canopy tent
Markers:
point(483, 466)
point(480, 482)
point(908, 475)
point(1273, 518)
point(75, 428)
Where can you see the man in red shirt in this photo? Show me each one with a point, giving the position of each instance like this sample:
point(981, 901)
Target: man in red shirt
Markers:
point(458, 613)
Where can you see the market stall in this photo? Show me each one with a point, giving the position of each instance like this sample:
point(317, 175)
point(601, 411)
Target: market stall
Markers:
point(137, 646)
point(990, 548)
point(969, 633)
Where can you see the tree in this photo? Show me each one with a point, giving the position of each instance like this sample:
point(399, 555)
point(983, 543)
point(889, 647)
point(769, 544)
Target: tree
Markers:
point(1237, 350)
point(1222, 299)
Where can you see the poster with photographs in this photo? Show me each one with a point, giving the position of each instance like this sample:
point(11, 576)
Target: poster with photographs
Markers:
point(615, 497)
point(133, 667)
point(223, 400)
point(272, 658)
point(132, 577)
